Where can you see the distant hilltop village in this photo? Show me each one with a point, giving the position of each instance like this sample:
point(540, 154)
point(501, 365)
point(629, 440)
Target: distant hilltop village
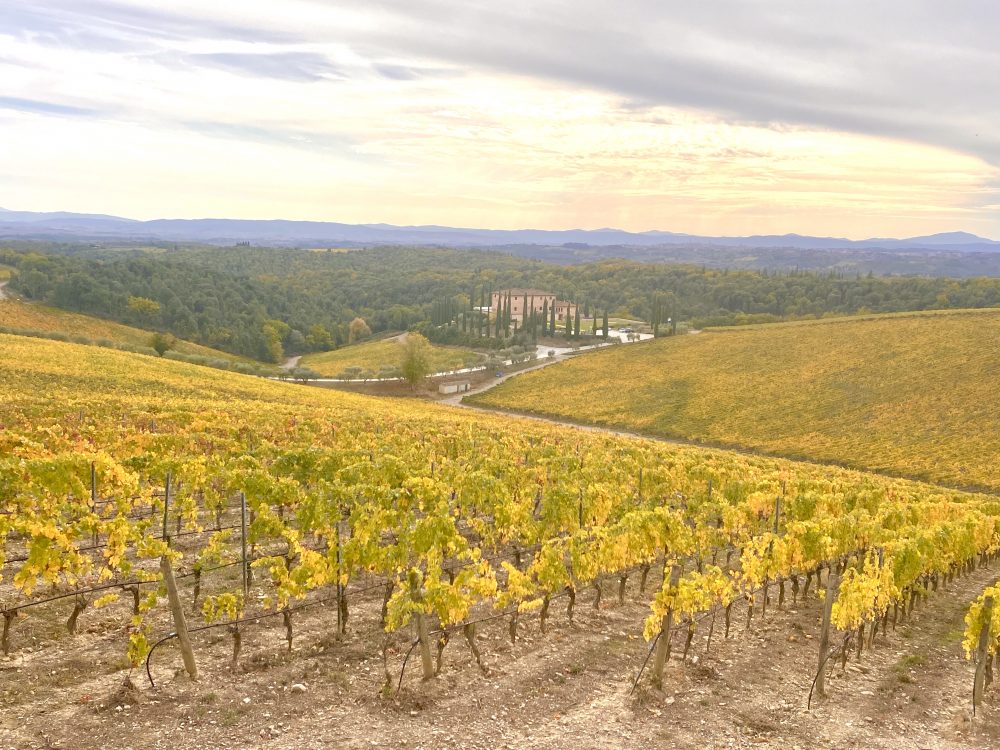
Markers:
point(523, 301)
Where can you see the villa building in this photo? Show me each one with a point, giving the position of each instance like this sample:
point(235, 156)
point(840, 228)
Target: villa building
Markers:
point(522, 301)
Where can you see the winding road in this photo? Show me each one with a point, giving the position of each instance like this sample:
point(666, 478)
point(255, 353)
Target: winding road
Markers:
point(456, 400)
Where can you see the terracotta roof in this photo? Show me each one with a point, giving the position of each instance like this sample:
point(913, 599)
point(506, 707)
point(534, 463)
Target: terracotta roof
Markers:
point(524, 292)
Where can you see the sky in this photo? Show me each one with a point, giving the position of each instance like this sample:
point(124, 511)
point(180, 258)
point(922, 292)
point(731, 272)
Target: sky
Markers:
point(725, 117)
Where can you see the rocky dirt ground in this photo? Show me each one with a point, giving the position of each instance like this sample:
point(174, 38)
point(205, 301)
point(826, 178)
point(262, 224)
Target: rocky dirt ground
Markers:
point(569, 687)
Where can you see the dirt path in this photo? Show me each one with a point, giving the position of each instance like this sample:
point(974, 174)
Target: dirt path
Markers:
point(917, 688)
point(566, 688)
point(456, 400)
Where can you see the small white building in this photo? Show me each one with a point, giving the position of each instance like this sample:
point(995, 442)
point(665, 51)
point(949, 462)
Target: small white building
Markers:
point(460, 386)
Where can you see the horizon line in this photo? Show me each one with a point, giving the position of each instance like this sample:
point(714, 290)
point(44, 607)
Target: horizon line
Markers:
point(4, 209)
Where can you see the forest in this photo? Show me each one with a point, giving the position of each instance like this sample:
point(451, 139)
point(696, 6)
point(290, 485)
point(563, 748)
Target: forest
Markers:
point(266, 302)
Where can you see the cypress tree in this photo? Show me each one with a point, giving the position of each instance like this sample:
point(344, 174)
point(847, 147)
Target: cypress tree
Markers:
point(552, 319)
point(545, 317)
point(576, 318)
point(605, 322)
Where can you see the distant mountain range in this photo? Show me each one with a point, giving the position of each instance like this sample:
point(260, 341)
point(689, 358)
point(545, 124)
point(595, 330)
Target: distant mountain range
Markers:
point(63, 226)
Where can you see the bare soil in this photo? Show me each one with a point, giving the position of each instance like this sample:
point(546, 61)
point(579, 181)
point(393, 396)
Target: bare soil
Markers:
point(569, 687)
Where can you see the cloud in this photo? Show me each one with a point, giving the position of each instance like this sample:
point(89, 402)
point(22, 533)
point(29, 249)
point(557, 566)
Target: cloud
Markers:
point(397, 72)
point(552, 113)
point(914, 69)
point(341, 144)
point(97, 24)
point(35, 106)
point(287, 66)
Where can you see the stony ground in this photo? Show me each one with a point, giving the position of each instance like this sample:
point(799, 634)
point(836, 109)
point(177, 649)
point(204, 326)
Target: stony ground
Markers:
point(569, 687)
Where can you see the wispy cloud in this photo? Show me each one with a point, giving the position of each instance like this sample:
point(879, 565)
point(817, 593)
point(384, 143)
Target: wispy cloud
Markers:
point(46, 108)
point(312, 141)
point(397, 72)
point(99, 24)
point(287, 66)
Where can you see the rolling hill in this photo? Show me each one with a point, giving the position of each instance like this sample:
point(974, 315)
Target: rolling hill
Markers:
point(910, 394)
point(61, 224)
point(373, 355)
point(16, 314)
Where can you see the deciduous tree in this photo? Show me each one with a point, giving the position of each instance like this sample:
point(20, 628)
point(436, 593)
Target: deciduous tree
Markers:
point(416, 364)
point(358, 330)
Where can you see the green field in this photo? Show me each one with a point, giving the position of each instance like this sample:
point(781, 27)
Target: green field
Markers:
point(370, 356)
point(911, 394)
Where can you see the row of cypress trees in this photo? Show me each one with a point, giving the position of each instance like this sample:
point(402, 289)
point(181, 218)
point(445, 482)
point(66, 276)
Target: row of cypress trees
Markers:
point(535, 323)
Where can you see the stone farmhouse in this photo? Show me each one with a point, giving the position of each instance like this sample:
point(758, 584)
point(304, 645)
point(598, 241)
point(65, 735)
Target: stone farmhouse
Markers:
point(523, 300)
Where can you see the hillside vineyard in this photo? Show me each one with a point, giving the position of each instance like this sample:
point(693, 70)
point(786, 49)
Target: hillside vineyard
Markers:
point(456, 518)
point(911, 395)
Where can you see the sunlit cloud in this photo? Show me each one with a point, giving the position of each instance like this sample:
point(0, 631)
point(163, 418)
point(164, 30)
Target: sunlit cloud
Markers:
point(414, 113)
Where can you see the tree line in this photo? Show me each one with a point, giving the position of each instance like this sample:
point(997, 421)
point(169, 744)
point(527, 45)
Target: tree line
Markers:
point(266, 303)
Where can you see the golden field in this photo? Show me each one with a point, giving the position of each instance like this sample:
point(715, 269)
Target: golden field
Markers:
point(914, 394)
point(18, 314)
point(372, 355)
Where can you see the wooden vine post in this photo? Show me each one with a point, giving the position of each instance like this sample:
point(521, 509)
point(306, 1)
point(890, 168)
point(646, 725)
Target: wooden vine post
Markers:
point(341, 592)
point(416, 593)
point(176, 610)
point(235, 628)
point(832, 582)
point(93, 500)
point(982, 654)
point(662, 654)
